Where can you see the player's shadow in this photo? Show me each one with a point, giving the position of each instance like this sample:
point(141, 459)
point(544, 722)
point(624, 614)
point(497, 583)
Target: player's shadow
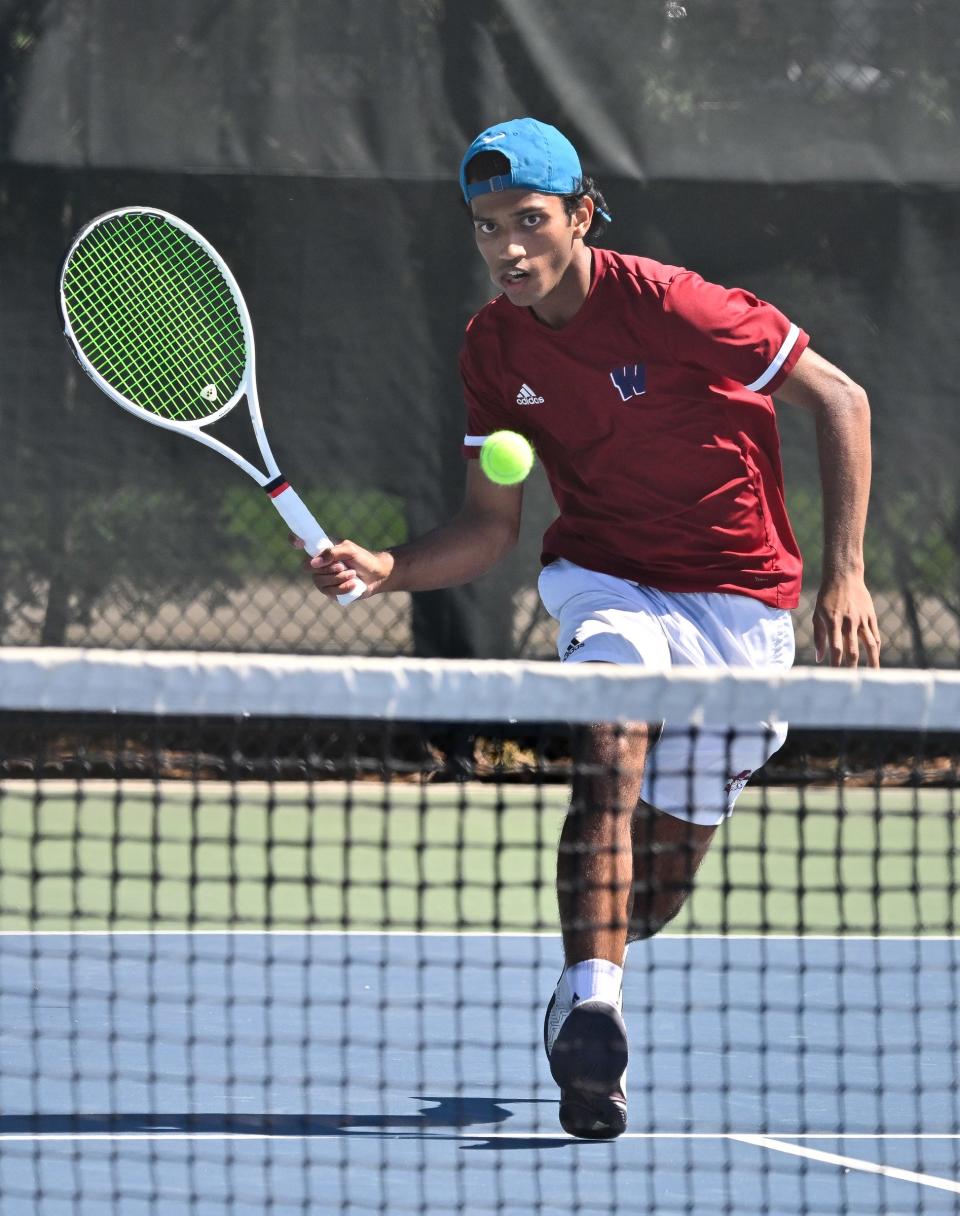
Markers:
point(455, 1114)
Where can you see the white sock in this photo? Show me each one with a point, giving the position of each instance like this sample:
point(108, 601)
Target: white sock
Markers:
point(593, 978)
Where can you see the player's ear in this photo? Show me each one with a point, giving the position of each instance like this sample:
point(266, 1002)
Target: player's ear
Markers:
point(583, 216)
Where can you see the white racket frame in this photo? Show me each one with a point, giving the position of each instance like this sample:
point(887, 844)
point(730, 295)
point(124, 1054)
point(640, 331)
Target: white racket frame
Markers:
point(285, 499)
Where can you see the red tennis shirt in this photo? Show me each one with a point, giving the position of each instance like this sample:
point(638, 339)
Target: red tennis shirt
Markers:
point(650, 413)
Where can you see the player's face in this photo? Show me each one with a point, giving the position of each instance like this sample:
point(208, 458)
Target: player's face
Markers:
point(534, 250)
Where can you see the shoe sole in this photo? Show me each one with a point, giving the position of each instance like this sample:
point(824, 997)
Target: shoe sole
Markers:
point(590, 1118)
point(588, 1059)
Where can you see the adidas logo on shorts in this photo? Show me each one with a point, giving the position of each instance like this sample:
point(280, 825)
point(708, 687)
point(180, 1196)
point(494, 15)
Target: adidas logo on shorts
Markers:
point(738, 781)
point(574, 646)
point(527, 396)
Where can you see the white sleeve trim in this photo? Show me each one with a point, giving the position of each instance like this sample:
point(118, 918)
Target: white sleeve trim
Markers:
point(788, 344)
point(474, 441)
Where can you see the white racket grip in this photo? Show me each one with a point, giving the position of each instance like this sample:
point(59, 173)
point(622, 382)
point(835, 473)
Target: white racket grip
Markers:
point(300, 521)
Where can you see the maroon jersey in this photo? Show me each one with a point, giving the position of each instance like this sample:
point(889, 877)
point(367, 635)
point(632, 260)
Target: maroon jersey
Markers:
point(651, 416)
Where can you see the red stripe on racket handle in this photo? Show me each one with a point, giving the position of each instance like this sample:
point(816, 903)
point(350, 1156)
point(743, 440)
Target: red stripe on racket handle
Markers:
point(300, 521)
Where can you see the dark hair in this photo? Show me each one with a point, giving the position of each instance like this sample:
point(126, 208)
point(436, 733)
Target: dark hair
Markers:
point(492, 164)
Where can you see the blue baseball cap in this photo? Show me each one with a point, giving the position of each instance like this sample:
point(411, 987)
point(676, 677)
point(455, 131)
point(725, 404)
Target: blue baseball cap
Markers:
point(541, 158)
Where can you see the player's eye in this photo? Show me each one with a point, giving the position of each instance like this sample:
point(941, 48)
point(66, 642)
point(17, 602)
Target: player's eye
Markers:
point(531, 221)
point(487, 227)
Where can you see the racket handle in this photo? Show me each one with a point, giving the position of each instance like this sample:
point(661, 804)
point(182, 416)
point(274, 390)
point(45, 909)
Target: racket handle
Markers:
point(300, 521)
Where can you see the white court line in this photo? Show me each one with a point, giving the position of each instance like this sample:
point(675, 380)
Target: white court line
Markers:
point(851, 1163)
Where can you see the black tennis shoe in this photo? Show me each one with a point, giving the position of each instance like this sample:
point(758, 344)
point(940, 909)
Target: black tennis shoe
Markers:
point(586, 1045)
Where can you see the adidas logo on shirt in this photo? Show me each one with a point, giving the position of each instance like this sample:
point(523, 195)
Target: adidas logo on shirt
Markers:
point(527, 396)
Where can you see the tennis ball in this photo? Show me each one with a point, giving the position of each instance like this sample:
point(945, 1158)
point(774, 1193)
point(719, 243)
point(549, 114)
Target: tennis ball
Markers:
point(506, 457)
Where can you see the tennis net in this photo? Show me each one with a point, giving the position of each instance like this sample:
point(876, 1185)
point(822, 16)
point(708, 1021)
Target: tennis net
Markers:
point(278, 935)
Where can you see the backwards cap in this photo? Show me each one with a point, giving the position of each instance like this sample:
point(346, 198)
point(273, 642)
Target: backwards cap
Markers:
point(541, 158)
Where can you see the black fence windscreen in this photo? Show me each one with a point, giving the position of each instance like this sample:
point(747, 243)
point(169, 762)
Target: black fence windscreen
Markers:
point(807, 151)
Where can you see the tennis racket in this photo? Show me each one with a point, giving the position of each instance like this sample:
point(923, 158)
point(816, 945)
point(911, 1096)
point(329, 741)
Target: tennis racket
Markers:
point(157, 321)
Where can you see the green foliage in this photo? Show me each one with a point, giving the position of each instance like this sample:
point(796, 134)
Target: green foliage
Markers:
point(139, 547)
point(135, 546)
point(258, 536)
point(806, 516)
point(910, 543)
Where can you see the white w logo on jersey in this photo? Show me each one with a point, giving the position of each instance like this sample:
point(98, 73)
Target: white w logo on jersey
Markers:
point(527, 396)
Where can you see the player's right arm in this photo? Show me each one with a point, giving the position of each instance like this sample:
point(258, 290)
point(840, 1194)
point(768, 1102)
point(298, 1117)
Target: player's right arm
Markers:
point(483, 530)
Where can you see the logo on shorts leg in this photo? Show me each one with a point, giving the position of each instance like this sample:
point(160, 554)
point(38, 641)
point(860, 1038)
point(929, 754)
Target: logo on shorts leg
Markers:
point(736, 784)
point(575, 644)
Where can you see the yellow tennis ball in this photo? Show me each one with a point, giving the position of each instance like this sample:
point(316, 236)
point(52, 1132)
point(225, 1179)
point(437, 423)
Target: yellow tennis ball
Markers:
point(506, 457)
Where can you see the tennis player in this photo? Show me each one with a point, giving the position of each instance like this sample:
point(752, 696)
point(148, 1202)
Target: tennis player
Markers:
point(646, 392)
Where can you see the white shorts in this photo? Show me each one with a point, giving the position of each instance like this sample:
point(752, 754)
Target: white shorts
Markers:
point(604, 619)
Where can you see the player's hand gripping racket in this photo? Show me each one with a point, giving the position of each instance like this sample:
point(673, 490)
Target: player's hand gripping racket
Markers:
point(157, 321)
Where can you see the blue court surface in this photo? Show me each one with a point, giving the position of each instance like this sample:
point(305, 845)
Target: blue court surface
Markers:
point(214, 1073)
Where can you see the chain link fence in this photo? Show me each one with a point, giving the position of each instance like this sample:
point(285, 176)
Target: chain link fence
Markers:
point(806, 151)
point(276, 609)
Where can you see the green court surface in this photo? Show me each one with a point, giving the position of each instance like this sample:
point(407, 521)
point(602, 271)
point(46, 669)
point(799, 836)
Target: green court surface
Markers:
point(448, 857)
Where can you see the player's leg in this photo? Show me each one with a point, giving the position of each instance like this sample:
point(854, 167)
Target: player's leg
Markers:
point(624, 868)
point(667, 853)
point(693, 778)
point(603, 620)
point(584, 1033)
point(594, 860)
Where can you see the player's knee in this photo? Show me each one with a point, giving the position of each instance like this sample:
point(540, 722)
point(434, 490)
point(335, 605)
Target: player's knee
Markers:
point(607, 748)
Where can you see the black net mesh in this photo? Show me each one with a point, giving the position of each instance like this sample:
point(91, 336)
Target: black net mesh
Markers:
point(255, 959)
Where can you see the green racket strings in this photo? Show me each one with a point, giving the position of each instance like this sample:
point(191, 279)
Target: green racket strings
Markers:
point(154, 316)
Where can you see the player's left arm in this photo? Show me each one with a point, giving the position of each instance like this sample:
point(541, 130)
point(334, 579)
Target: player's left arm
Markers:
point(844, 616)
